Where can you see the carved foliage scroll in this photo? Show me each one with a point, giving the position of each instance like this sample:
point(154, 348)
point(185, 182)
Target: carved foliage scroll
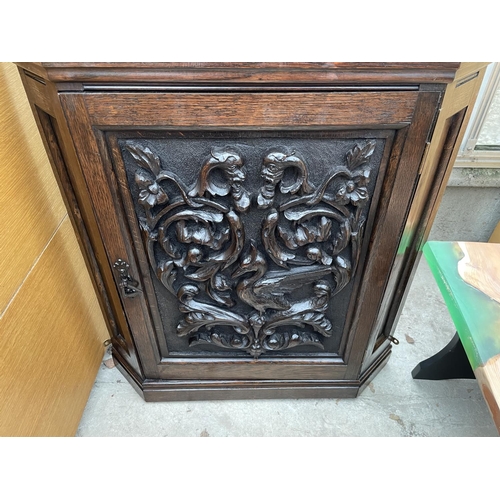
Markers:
point(253, 294)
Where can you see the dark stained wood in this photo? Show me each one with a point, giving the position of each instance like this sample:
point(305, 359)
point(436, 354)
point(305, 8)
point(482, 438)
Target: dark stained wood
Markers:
point(231, 88)
point(249, 369)
point(36, 88)
point(269, 296)
point(59, 146)
point(228, 389)
point(117, 247)
point(268, 66)
point(386, 175)
point(197, 368)
point(390, 227)
point(286, 110)
point(312, 73)
point(451, 129)
point(121, 191)
point(399, 103)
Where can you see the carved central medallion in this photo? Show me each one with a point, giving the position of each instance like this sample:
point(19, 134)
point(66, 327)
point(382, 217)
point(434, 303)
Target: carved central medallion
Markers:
point(261, 292)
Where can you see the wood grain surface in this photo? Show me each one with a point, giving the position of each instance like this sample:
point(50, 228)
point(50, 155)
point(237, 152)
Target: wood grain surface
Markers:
point(49, 117)
point(441, 151)
point(285, 110)
point(49, 347)
point(289, 97)
point(241, 72)
point(110, 225)
point(391, 222)
point(480, 267)
point(86, 113)
point(495, 236)
point(488, 378)
point(31, 207)
point(51, 330)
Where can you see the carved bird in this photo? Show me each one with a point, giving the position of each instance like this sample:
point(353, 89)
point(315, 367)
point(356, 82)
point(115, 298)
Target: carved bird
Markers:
point(268, 292)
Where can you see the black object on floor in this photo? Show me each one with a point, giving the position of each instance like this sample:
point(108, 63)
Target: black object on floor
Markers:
point(449, 363)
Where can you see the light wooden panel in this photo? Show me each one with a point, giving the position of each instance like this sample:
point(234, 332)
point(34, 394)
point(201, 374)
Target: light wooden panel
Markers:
point(495, 236)
point(488, 378)
point(49, 346)
point(31, 207)
point(51, 326)
point(480, 268)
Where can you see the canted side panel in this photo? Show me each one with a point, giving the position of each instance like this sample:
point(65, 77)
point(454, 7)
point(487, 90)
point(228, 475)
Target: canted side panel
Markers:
point(121, 338)
point(253, 239)
point(404, 268)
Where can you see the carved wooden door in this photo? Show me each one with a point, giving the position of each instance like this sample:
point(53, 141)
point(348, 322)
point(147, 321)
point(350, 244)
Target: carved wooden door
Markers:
point(251, 233)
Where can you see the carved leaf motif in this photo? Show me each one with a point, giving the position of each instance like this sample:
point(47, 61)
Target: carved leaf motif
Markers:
point(325, 229)
point(145, 158)
point(217, 283)
point(286, 340)
point(301, 214)
point(201, 216)
point(192, 322)
point(342, 238)
point(318, 321)
point(229, 256)
point(167, 274)
point(200, 314)
point(359, 156)
point(306, 233)
point(231, 341)
point(170, 248)
point(342, 273)
point(204, 273)
point(272, 247)
point(357, 233)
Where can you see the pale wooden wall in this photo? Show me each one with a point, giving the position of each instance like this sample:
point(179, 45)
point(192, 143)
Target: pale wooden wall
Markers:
point(51, 326)
point(495, 236)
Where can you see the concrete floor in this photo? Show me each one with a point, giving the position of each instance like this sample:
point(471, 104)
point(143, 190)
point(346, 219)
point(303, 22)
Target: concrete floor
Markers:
point(393, 405)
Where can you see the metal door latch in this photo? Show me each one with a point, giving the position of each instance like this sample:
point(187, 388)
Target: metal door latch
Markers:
point(128, 284)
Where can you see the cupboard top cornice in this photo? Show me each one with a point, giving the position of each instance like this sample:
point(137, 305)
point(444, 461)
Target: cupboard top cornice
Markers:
point(327, 73)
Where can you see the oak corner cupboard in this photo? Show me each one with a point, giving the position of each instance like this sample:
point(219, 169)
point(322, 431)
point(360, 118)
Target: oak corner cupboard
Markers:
point(251, 229)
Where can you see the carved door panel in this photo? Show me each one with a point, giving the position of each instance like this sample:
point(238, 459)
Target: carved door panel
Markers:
point(251, 234)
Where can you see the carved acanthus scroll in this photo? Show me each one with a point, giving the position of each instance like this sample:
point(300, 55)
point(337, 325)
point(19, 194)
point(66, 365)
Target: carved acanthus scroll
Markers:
point(252, 295)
